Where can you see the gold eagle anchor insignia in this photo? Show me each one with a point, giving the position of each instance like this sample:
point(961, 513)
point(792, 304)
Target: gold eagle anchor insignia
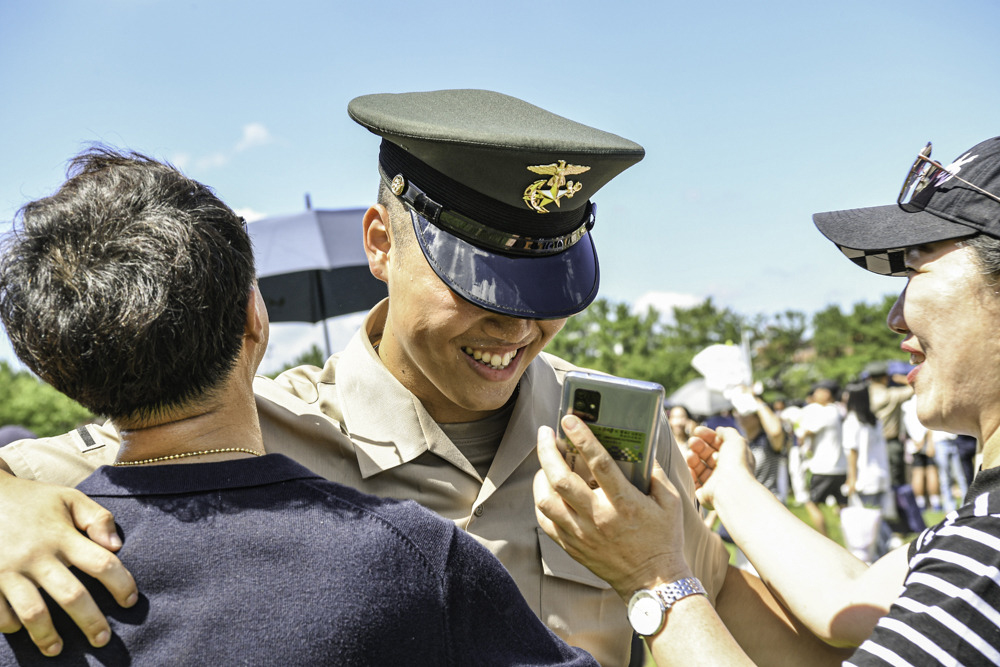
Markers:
point(543, 192)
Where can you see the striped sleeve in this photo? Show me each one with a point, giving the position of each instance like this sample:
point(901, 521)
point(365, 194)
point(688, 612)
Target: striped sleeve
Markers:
point(949, 612)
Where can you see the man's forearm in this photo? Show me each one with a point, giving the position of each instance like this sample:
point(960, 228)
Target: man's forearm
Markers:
point(695, 635)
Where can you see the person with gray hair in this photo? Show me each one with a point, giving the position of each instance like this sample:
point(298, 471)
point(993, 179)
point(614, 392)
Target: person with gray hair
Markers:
point(132, 290)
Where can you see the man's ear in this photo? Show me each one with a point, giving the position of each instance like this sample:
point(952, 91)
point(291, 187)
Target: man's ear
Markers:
point(377, 240)
point(255, 326)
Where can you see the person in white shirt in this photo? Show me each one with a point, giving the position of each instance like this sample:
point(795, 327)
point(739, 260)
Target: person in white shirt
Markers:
point(820, 432)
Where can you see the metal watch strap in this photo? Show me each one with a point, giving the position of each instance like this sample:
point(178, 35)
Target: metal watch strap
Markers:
point(677, 590)
point(647, 609)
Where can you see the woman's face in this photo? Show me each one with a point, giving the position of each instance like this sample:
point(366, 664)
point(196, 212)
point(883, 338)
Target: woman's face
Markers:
point(678, 419)
point(949, 314)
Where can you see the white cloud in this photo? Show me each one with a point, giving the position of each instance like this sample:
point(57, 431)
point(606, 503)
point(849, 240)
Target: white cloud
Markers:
point(664, 302)
point(212, 161)
point(254, 134)
point(249, 214)
point(181, 160)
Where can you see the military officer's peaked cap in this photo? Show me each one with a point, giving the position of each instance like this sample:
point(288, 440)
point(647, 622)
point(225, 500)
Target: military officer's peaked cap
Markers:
point(499, 192)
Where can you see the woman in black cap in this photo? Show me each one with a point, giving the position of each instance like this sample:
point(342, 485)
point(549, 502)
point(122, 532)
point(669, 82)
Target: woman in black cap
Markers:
point(936, 601)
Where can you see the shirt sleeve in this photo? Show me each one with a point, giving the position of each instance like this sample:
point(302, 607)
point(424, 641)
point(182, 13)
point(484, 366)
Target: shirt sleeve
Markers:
point(703, 548)
point(66, 459)
point(811, 420)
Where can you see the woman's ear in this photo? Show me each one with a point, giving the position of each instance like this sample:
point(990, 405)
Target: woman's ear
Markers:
point(377, 240)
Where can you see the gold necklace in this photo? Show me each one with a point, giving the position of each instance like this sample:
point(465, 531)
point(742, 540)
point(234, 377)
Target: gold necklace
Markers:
point(186, 454)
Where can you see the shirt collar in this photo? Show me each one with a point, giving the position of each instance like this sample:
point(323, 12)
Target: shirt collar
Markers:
point(387, 423)
point(390, 426)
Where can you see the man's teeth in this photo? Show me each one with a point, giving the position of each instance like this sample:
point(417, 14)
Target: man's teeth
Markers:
point(492, 360)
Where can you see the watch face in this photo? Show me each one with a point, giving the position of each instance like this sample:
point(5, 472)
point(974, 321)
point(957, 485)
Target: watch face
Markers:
point(645, 613)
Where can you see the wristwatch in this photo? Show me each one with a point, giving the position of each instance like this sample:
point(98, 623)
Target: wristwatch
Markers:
point(647, 610)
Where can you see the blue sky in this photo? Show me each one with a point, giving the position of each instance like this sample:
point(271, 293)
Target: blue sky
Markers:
point(753, 115)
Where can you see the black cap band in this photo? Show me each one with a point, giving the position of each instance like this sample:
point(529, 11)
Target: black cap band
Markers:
point(472, 204)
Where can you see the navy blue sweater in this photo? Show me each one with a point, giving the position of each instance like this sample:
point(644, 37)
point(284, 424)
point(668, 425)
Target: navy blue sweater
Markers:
point(259, 561)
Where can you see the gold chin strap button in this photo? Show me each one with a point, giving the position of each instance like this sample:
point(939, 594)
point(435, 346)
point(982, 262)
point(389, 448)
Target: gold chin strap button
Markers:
point(398, 185)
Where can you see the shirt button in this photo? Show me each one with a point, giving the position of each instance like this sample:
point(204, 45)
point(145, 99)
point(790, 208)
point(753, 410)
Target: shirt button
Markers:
point(479, 510)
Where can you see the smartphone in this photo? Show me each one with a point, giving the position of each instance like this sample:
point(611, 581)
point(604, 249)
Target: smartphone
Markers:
point(624, 414)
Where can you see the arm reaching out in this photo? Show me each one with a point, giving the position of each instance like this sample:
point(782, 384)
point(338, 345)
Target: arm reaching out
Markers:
point(836, 595)
point(40, 526)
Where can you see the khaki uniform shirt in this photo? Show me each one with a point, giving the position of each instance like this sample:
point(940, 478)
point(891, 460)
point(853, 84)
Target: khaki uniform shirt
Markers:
point(354, 423)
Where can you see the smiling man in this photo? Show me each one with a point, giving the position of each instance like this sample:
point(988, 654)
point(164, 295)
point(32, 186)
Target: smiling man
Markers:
point(482, 234)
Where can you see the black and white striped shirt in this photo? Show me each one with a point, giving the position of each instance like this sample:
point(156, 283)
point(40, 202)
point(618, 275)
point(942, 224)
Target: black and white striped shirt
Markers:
point(949, 611)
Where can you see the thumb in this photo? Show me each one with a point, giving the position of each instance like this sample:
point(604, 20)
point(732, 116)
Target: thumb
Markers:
point(97, 522)
point(704, 499)
point(661, 489)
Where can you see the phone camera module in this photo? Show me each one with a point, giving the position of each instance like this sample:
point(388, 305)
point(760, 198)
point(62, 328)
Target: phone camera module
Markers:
point(587, 404)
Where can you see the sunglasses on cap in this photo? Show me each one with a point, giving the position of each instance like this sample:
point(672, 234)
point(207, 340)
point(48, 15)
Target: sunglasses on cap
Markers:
point(924, 172)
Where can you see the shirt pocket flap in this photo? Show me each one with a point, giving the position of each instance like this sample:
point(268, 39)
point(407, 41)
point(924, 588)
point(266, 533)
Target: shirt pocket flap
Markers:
point(557, 563)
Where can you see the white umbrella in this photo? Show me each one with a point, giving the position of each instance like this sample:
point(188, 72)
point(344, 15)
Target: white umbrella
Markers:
point(312, 266)
point(699, 399)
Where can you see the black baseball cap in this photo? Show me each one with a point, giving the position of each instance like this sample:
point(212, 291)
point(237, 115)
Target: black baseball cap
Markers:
point(949, 207)
point(499, 192)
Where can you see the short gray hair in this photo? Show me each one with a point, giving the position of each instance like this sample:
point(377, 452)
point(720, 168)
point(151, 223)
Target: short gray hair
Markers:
point(399, 216)
point(987, 253)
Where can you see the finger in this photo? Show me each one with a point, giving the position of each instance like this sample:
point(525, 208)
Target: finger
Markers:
point(95, 520)
point(699, 471)
point(565, 483)
point(701, 495)
point(554, 516)
point(699, 447)
point(563, 491)
point(726, 432)
point(661, 489)
point(705, 475)
point(703, 432)
point(67, 591)
point(104, 566)
point(27, 604)
point(8, 621)
point(547, 504)
point(597, 458)
point(705, 443)
point(549, 455)
point(709, 436)
point(698, 460)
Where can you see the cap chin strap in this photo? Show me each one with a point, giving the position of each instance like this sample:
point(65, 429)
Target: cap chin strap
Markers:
point(481, 235)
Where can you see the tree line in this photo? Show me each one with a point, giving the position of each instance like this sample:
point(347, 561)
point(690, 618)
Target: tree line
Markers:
point(790, 352)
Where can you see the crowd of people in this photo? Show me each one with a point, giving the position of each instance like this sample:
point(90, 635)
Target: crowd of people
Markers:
point(831, 448)
point(223, 517)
